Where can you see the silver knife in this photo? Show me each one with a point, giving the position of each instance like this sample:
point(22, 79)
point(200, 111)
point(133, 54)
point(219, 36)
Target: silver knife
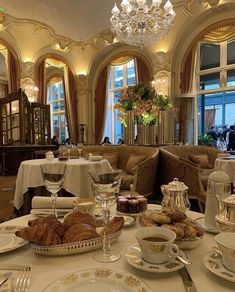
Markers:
point(187, 280)
point(4, 277)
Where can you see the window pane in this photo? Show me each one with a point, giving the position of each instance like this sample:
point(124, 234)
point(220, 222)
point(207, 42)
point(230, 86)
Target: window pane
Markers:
point(118, 128)
point(231, 52)
point(131, 78)
point(55, 91)
point(55, 120)
point(55, 106)
point(118, 76)
point(209, 56)
point(210, 81)
point(229, 114)
point(61, 90)
point(231, 77)
point(62, 106)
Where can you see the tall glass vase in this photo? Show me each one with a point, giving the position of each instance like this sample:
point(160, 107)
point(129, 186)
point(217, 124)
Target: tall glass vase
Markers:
point(129, 130)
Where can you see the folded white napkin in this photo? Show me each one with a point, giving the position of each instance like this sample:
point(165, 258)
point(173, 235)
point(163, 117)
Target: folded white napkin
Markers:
point(46, 212)
point(40, 202)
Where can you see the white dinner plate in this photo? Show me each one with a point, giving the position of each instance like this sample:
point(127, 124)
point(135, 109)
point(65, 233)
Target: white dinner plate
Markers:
point(8, 240)
point(201, 221)
point(98, 280)
point(134, 258)
point(213, 263)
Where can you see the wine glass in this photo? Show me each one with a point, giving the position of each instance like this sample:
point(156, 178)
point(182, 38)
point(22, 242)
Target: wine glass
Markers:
point(106, 188)
point(79, 148)
point(53, 177)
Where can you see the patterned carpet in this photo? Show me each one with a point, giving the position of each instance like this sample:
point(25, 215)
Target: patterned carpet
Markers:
point(7, 186)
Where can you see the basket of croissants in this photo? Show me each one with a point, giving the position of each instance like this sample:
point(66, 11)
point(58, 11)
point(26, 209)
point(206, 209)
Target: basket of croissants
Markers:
point(188, 232)
point(78, 233)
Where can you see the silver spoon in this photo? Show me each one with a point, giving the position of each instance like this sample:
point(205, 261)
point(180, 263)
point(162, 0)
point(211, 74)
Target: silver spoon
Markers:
point(183, 260)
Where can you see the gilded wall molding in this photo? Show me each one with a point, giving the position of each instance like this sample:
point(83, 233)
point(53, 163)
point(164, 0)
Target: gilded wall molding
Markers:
point(82, 83)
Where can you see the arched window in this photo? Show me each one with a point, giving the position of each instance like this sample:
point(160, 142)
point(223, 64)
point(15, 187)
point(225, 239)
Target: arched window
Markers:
point(122, 73)
point(55, 97)
point(216, 85)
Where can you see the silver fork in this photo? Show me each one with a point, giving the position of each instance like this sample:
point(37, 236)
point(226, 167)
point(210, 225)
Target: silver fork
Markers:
point(23, 280)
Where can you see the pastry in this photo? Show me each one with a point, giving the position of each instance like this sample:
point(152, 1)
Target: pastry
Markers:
point(176, 215)
point(79, 218)
point(157, 217)
point(199, 230)
point(51, 221)
point(189, 231)
point(144, 221)
point(114, 226)
point(79, 232)
point(39, 234)
point(178, 230)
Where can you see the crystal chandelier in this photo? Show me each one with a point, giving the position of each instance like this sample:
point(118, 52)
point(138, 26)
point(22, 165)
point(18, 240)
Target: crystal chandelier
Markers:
point(140, 23)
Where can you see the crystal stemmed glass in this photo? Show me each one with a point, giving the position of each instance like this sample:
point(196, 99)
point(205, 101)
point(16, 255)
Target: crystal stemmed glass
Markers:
point(79, 148)
point(53, 177)
point(106, 188)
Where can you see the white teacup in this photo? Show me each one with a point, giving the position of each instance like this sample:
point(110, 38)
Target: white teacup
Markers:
point(156, 244)
point(85, 205)
point(226, 244)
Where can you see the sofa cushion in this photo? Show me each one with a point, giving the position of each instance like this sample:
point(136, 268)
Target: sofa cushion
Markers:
point(133, 161)
point(201, 160)
point(112, 159)
point(126, 181)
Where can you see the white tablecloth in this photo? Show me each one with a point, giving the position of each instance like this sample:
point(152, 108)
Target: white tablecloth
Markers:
point(76, 177)
point(226, 165)
point(47, 269)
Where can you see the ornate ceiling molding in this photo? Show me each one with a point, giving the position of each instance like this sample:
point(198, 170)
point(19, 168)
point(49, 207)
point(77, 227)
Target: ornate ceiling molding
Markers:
point(58, 42)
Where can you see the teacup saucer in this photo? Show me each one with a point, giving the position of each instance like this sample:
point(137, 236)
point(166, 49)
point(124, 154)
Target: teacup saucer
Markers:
point(213, 262)
point(134, 258)
point(201, 221)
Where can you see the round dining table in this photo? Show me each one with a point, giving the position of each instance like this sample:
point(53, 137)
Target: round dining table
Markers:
point(46, 269)
point(76, 179)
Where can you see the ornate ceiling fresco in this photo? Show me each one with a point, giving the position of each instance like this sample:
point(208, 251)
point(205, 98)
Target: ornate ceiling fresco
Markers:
point(77, 19)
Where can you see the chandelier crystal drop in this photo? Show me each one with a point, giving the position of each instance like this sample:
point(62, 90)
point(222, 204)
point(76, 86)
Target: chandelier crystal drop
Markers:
point(140, 22)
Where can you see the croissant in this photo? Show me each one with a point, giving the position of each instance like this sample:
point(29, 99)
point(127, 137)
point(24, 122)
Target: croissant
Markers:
point(45, 220)
point(39, 234)
point(79, 218)
point(114, 226)
point(79, 232)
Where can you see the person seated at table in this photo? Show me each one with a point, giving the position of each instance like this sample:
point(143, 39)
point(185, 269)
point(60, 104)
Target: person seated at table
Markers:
point(55, 141)
point(106, 141)
point(120, 141)
point(67, 141)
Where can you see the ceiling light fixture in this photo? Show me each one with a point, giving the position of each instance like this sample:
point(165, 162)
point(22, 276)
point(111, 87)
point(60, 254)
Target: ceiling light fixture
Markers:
point(140, 23)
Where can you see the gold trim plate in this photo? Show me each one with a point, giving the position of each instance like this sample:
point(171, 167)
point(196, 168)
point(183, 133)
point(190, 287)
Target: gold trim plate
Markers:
point(98, 280)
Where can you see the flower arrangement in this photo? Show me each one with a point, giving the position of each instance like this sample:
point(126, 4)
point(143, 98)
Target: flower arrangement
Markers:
point(144, 101)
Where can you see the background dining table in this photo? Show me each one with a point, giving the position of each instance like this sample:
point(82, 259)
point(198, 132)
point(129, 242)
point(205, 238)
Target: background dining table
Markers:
point(76, 179)
point(46, 269)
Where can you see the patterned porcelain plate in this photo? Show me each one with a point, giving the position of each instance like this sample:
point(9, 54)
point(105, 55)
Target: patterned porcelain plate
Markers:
point(214, 263)
point(134, 258)
point(99, 280)
point(8, 239)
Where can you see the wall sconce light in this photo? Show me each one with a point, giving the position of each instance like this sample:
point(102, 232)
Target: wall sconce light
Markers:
point(161, 83)
point(30, 89)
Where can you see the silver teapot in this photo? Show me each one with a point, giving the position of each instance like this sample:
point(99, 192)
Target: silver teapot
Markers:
point(175, 196)
point(226, 216)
